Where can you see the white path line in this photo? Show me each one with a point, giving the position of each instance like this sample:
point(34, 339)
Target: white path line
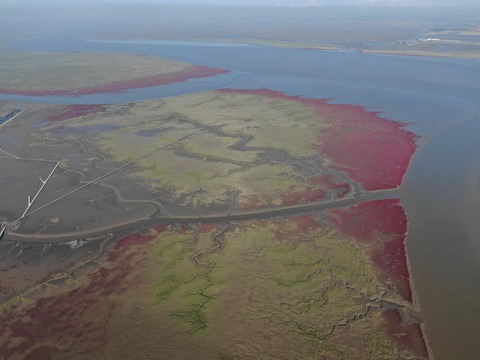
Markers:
point(30, 201)
point(44, 182)
point(14, 157)
point(100, 177)
point(11, 119)
point(6, 152)
point(27, 159)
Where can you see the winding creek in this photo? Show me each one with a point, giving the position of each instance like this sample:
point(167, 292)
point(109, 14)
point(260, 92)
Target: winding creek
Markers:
point(439, 100)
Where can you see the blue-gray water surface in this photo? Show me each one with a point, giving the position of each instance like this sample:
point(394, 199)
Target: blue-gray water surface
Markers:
point(438, 99)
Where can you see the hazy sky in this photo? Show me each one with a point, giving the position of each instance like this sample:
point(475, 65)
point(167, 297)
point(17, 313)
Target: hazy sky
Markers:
point(258, 2)
point(306, 2)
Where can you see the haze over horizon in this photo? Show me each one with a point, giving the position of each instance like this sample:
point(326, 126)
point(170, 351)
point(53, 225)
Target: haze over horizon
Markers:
point(282, 3)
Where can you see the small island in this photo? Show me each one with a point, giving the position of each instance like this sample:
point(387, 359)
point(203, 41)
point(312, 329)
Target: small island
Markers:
point(53, 73)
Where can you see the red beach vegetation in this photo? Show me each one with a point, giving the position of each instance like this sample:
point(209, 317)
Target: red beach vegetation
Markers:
point(385, 220)
point(57, 319)
point(382, 224)
point(75, 111)
point(409, 336)
point(192, 72)
point(372, 150)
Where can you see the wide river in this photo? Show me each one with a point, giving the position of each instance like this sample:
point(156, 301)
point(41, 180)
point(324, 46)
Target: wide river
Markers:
point(438, 98)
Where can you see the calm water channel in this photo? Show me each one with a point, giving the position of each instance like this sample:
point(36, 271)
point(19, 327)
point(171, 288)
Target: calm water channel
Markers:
point(438, 98)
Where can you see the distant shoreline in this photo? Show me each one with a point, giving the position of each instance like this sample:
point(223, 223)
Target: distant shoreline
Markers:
point(192, 72)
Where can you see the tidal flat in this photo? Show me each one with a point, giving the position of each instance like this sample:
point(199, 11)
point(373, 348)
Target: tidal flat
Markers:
point(145, 229)
point(286, 288)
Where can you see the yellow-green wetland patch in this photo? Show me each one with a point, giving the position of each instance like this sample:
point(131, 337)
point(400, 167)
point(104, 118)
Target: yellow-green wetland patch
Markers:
point(44, 71)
